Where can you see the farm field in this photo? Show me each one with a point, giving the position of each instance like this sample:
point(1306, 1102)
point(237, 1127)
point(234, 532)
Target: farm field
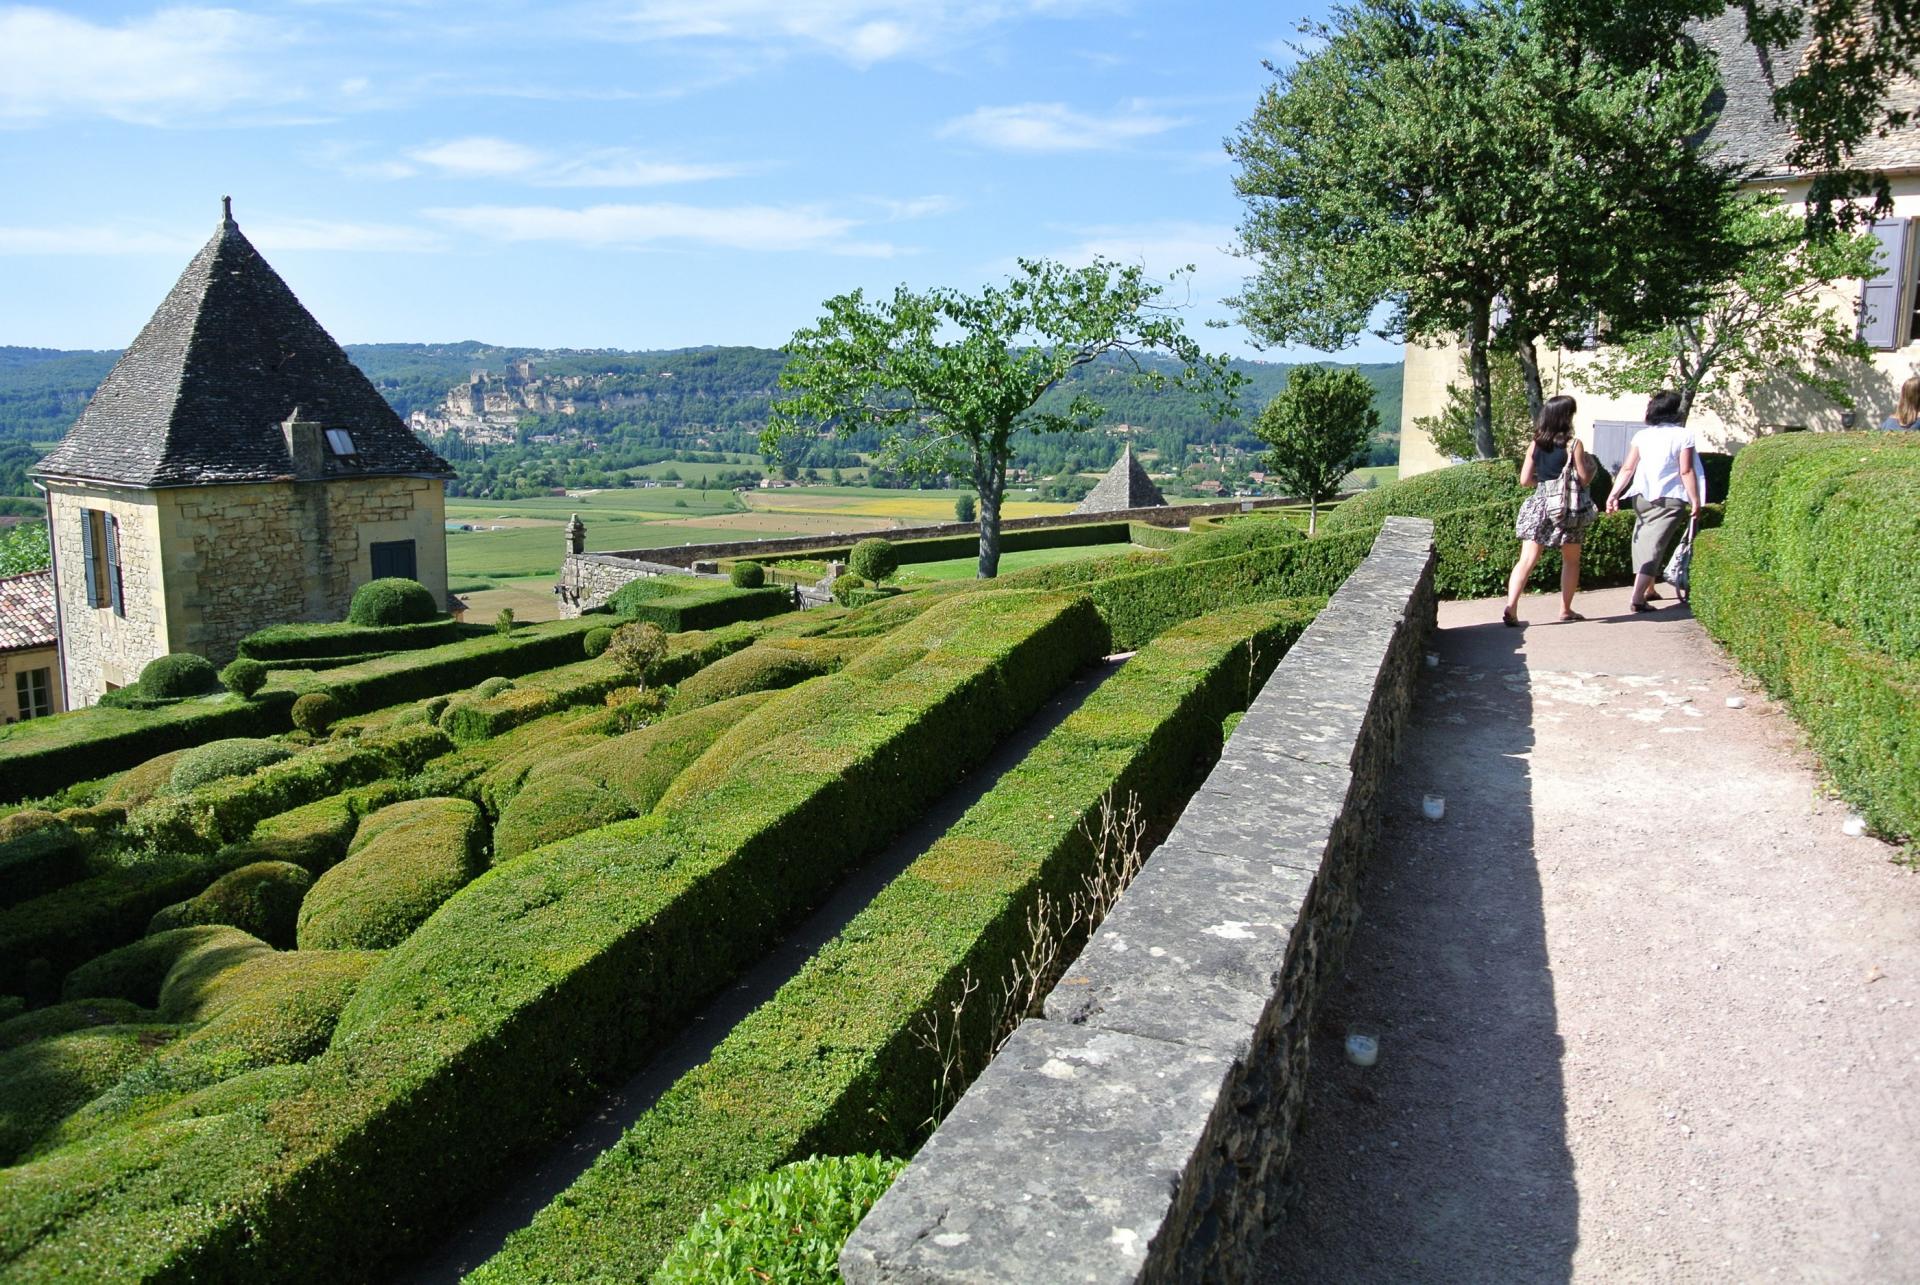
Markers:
point(530, 597)
point(902, 507)
point(1021, 560)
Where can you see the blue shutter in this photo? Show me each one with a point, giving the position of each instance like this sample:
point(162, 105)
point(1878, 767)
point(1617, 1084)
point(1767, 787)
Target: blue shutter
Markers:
point(113, 564)
point(1880, 294)
point(87, 557)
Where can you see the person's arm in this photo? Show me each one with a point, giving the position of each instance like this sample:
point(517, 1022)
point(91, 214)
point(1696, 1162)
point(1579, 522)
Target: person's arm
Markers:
point(1623, 477)
point(1687, 480)
point(1582, 462)
point(1526, 467)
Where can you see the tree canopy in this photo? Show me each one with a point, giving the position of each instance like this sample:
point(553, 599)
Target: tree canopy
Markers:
point(1318, 428)
point(947, 379)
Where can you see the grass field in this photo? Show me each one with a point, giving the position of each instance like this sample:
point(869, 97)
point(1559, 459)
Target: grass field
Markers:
point(1381, 473)
point(531, 598)
point(967, 568)
point(898, 506)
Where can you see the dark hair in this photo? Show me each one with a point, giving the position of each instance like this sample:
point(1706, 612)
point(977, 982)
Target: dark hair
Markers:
point(1555, 424)
point(1664, 407)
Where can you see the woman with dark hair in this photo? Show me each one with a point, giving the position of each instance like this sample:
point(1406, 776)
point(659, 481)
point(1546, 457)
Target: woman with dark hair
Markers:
point(1558, 512)
point(1659, 477)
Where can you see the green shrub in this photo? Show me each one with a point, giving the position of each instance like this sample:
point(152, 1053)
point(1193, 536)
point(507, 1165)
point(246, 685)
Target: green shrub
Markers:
point(1241, 535)
point(845, 586)
point(747, 575)
point(315, 836)
point(179, 675)
point(964, 508)
point(38, 853)
point(315, 712)
point(391, 601)
point(435, 671)
point(596, 641)
point(140, 973)
point(681, 603)
point(838, 1059)
point(138, 784)
point(503, 623)
point(262, 898)
point(636, 647)
point(874, 560)
point(785, 1226)
point(404, 861)
point(236, 756)
point(1427, 495)
point(43, 1082)
point(314, 642)
point(493, 686)
point(766, 666)
point(244, 677)
point(73, 1015)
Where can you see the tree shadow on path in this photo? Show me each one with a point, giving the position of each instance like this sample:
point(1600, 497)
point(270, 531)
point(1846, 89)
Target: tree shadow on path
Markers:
point(1448, 1160)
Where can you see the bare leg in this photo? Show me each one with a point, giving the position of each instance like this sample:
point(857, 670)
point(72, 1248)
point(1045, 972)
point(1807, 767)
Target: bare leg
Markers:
point(1641, 583)
point(1569, 576)
point(1517, 579)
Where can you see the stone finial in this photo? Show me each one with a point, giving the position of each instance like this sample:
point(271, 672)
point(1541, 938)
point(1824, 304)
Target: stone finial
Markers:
point(226, 212)
point(576, 535)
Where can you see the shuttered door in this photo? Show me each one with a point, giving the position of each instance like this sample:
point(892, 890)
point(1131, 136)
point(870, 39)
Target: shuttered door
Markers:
point(1881, 293)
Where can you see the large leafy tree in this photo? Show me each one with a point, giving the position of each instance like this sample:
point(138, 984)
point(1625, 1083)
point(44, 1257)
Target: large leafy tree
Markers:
point(1318, 428)
point(948, 378)
point(24, 547)
point(1771, 321)
point(1478, 174)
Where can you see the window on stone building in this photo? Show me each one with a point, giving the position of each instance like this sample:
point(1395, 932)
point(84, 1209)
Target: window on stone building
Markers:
point(340, 442)
point(394, 558)
point(1884, 296)
point(100, 551)
point(33, 692)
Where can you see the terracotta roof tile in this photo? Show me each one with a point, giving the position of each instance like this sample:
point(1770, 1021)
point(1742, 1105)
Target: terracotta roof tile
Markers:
point(26, 611)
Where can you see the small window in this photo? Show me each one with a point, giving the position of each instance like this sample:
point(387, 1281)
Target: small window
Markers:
point(394, 558)
point(340, 442)
point(33, 692)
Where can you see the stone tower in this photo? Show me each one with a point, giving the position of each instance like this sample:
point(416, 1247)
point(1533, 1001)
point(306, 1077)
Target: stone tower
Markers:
point(234, 470)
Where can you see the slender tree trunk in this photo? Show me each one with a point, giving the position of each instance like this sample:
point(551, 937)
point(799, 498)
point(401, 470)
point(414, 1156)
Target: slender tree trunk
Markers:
point(1529, 357)
point(990, 477)
point(1482, 381)
point(1313, 512)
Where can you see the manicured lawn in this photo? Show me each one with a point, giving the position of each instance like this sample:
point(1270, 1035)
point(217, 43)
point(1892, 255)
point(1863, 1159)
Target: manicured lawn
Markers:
point(963, 568)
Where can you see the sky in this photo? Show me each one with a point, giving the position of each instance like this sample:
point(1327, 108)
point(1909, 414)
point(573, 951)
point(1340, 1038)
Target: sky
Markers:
point(618, 173)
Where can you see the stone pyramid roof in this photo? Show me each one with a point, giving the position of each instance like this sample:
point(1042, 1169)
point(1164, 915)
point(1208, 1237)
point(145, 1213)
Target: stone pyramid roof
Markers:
point(201, 394)
point(1126, 486)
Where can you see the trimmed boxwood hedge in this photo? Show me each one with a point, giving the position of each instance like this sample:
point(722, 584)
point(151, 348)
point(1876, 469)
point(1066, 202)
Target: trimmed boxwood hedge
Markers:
point(71, 1015)
point(391, 601)
point(681, 603)
point(218, 760)
point(315, 642)
point(262, 898)
point(1427, 495)
point(834, 1062)
point(38, 853)
point(765, 666)
point(944, 547)
point(494, 1023)
point(168, 971)
point(404, 861)
point(41, 1083)
point(433, 671)
point(786, 1226)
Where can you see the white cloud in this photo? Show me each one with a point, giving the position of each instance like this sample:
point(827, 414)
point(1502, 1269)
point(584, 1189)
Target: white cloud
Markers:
point(269, 235)
point(739, 227)
point(618, 167)
point(1055, 127)
point(498, 158)
point(918, 207)
point(478, 158)
point(861, 32)
point(182, 61)
point(325, 234)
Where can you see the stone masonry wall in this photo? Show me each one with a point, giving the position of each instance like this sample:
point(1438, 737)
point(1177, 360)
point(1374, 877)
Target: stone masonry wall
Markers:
point(101, 647)
point(24, 660)
point(1140, 1129)
point(589, 579)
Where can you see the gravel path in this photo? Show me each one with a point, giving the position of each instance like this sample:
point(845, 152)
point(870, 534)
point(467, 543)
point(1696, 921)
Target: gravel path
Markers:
point(1645, 1012)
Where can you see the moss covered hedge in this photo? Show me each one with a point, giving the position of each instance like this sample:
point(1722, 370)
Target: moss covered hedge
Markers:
point(404, 861)
point(262, 898)
point(835, 1062)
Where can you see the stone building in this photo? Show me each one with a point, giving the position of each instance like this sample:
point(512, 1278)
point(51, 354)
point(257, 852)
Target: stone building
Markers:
point(234, 470)
point(1126, 486)
point(1885, 309)
point(29, 659)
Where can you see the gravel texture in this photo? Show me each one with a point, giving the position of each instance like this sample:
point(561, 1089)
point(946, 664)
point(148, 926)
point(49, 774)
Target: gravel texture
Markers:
point(1645, 1011)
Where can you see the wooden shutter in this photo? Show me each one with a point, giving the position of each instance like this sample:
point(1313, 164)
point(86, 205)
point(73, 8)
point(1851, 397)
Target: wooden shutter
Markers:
point(87, 556)
point(1881, 294)
point(113, 564)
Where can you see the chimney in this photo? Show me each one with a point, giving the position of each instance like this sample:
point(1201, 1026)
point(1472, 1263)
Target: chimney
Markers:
point(305, 446)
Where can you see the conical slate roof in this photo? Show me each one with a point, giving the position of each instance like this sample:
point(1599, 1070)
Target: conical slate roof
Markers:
point(201, 395)
point(1126, 486)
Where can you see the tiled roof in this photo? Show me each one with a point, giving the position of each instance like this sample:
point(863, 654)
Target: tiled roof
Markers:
point(26, 611)
point(1126, 486)
point(201, 394)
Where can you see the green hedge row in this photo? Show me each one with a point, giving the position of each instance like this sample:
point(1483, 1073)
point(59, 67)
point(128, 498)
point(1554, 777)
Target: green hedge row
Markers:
point(502, 1018)
point(945, 547)
point(835, 1062)
point(314, 642)
point(38, 853)
point(678, 603)
point(44, 755)
point(404, 861)
point(432, 671)
point(1148, 536)
point(1860, 706)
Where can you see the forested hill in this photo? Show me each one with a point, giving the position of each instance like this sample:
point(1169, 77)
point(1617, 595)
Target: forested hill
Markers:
point(716, 396)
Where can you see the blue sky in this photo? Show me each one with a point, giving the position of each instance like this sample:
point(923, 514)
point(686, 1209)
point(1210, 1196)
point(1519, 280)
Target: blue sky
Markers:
point(628, 173)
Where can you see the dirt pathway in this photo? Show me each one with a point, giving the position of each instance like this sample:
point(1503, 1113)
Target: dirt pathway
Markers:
point(1645, 1012)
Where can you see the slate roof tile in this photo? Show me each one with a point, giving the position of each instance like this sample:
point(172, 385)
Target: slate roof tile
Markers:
point(1126, 486)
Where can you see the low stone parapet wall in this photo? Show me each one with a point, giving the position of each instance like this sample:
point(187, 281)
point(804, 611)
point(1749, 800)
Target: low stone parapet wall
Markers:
point(1140, 1129)
point(588, 579)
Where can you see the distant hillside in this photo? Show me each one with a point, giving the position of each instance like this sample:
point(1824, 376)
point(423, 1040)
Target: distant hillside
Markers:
point(638, 405)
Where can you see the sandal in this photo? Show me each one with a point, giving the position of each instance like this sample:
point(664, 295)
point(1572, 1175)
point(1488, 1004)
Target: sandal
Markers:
point(1640, 606)
point(1510, 620)
point(1568, 617)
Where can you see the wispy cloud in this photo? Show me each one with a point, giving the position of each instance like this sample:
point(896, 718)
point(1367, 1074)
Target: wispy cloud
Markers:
point(176, 62)
point(498, 158)
point(737, 227)
point(478, 158)
point(269, 234)
point(1055, 127)
point(918, 207)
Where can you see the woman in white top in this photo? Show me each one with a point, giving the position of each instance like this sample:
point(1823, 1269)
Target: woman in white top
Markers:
point(1659, 476)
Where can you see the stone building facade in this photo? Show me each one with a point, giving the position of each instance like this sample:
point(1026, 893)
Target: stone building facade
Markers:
point(233, 471)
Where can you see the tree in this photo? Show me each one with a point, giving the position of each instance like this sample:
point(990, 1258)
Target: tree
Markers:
point(25, 549)
point(1451, 431)
point(1477, 175)
point(946, 379)
point(963, 509)
point(635, 647)
point(1318, 428)
point(1767, 322)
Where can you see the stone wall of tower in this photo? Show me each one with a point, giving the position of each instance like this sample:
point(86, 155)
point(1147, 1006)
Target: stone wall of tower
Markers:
point(104, 649)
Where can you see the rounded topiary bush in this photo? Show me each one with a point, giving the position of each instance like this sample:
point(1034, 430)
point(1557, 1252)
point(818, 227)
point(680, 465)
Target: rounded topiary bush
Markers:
point(141, 972)
point(178, 675)
point(874, 559)
point(136, 785)
point(404, 861)
point(637, 647)
point(216, 760)
point(489, 687)
point(244, 677)
point(314, 713)
point(844, 585)
point(392, 601)
point(747, 575)
point(1428, 495)
point(767, 666)
point(595, 641)
point(262, 898)
point(786, 1226)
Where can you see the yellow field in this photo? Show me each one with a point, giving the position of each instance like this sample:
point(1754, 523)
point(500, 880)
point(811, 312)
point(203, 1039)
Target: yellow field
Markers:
point(900, 506)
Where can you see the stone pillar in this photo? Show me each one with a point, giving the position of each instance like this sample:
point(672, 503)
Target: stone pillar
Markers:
point(576, 535)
